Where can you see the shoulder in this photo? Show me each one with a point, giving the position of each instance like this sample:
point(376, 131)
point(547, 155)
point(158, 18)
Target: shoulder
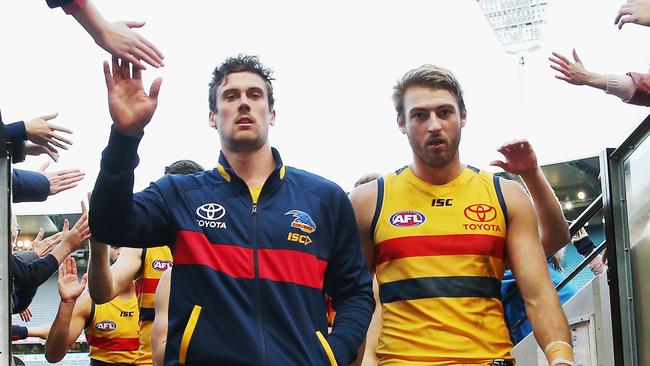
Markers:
point(313, 182)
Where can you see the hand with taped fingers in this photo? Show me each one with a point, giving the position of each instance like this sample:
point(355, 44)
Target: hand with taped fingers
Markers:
point(61, 180)
point(44, 133)
point(520, 158)
point(70, 288)
point(633, 11)
point(42, 246)
point(575, 72)
point(35, 150)
point(130, 107)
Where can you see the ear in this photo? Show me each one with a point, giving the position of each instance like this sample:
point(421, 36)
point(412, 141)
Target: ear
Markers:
point(272, 122)
point(212, 118)
point(401, 124)
point(463, 118)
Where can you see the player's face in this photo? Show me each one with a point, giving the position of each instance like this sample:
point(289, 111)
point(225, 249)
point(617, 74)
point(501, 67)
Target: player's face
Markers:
point(243, 114)
point(433, 123)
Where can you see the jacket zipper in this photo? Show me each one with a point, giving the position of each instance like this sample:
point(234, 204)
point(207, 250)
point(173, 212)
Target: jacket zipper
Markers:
point(258, 295)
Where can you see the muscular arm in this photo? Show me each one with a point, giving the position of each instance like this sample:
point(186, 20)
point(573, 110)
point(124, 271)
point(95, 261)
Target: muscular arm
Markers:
point(104, 282)
point(159, 330)
point(529, 268)
point(364, 201)
point(553, 228)
point(67, 326)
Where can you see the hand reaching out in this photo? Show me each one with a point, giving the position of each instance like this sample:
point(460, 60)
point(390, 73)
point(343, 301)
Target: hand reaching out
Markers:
point(63, 179)
point(633, 11)
point(44, 133)
point(119, 40)
point(130, 108)
point(69, 286)
point(42, 246)
point(520, 158)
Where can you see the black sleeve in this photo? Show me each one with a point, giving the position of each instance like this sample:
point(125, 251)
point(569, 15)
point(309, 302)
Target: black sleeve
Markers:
point(33, 274)
point(58, 3)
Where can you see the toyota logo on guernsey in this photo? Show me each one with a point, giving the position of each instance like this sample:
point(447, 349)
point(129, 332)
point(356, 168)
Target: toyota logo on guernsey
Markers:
point(407, 219)
point(209, 215)
point(480, 212)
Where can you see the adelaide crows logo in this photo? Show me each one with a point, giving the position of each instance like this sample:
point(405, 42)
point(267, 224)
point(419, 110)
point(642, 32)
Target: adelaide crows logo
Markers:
point(302, 221)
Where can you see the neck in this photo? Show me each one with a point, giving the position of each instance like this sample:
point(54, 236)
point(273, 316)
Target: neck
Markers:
point(437, 175)
point(253, 167)
point(128, 293)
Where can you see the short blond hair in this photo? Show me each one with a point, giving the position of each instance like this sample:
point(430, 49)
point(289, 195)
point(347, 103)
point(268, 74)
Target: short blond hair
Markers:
point(428, 76)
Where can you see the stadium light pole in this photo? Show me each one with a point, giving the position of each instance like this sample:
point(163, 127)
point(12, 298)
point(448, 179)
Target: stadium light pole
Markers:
point(517, 24)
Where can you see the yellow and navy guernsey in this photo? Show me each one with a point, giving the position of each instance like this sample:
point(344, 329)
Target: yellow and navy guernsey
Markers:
point(439, 256)
point(251, 267)
point(155, 261)
point(112, 332)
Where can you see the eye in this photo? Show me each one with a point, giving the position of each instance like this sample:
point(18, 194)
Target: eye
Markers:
point(255, 95)
point(420, 115)
point(230, 96)
point(444, 113)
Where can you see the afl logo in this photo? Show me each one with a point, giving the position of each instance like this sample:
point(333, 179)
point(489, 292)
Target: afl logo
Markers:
point(161, 265)
point(211, 211)
point(406, 219)
point(106, 326)
point(480, 212)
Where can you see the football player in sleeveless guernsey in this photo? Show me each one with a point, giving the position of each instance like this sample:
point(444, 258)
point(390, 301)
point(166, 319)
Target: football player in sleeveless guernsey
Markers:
point(111, 328)
point(437, 232)
point(145, 266)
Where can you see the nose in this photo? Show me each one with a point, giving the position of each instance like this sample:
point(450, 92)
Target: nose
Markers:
point(433, 124)
point(243, 104)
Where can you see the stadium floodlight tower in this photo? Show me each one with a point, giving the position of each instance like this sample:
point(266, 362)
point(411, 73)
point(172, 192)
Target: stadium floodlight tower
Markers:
point(517, 25)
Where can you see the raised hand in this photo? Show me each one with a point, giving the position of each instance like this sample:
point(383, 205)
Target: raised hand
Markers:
point(44, 133)
point(42, 246)
point(63, 179)
point(26, 315)
point(35, 150)
point(633, 11)
point(572, 72)
point(520, 159)
point(74, 238)
point(69, 286)
point(119, 40)
point(130, 107)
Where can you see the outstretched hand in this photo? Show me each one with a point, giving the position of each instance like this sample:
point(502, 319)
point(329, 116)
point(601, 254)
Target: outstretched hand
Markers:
point(119, 40)
point(130, 107)
point(634, 11)
point(61, 180)
point(520, 158)
point(572, 72)
point(69, 286)
point(44, 133)
point(42, 246)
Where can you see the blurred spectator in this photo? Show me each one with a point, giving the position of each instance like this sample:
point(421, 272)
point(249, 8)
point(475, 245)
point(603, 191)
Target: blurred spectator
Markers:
point(585, 246)
point(117, 38)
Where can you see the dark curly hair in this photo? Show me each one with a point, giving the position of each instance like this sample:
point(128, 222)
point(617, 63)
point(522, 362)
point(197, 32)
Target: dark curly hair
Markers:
point(184, 167)
point(240, 63)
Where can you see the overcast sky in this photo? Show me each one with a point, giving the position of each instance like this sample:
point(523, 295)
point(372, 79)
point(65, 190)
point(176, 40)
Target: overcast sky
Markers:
point(335, 63)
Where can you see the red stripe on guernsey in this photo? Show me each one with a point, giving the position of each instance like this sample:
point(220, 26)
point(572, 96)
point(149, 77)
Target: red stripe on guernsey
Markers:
point(292, 266)
point(147, 285)
point(434, 245)
point(193, 248)
point(113, 344)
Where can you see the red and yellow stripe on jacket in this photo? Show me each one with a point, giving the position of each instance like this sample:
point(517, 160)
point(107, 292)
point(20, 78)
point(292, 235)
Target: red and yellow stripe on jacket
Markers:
point(155, 261)
point(113, 332)
point(439, 260)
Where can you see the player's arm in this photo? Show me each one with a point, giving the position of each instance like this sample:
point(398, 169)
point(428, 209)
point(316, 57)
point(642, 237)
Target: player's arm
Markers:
point(159, 330)
point(74, 310)
point(104, 282)
point(529, 267)
point(520, 159)
point(364, 202)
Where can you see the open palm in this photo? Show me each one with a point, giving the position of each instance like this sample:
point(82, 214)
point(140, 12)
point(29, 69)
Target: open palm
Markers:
point(130, 107)
point(69, 286)
point(520, 158)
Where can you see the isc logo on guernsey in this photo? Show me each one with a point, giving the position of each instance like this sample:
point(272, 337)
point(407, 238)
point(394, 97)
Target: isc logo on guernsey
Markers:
point(406, 219)
point(209, 215)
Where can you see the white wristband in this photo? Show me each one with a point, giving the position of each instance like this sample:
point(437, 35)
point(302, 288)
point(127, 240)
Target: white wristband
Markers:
point(560, 361)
